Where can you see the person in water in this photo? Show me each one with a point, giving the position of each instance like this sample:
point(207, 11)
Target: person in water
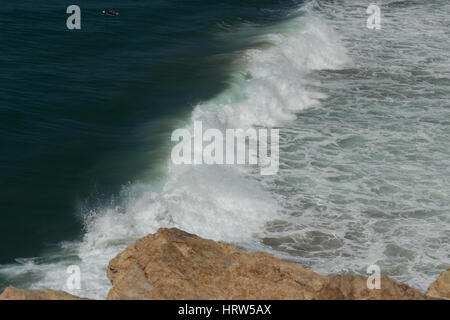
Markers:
point(110, 12)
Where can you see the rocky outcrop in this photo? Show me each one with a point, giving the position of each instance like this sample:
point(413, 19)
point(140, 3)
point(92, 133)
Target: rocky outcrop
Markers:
point(12, 293)
point(173, 264)
point(441, 287)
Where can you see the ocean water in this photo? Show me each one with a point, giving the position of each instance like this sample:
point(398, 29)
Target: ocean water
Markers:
point(86, 118)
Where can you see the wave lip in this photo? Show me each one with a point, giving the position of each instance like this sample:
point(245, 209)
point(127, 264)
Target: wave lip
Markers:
point(274, 84)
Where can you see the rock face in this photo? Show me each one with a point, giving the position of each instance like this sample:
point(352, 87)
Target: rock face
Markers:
point(347, 287)
point(173, 264)
point(12, 293)
point(441, 287)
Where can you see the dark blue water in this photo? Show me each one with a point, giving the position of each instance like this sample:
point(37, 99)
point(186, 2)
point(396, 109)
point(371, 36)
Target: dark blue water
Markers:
point(72, 102)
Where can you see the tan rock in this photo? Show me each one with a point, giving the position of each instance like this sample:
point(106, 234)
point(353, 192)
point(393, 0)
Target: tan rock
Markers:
point(173, 264)
point(348, 287)
point(441, 287)
point(12, 293)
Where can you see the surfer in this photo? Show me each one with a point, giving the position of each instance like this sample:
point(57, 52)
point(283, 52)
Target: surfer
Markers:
point(110, 12)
